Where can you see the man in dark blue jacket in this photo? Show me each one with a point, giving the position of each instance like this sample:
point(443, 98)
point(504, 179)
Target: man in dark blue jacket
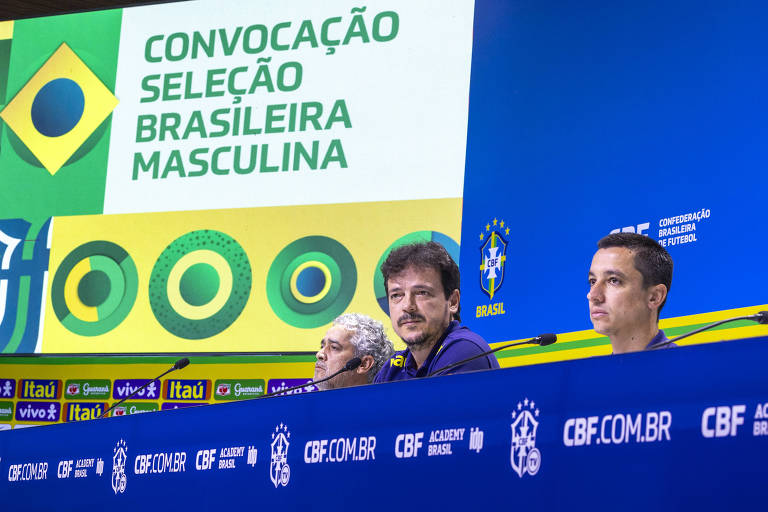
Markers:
point(422, 284)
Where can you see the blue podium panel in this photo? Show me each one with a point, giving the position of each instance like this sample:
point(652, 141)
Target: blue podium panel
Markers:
point(679, 429)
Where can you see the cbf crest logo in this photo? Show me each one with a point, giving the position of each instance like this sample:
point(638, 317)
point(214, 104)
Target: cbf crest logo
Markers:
point(279, 471)
point(493, 255)
point(524, 456)
point(118, 467)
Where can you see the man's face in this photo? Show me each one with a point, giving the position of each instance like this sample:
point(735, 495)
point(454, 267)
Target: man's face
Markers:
point(418, 308)
point(335, 350)
point(618, 303)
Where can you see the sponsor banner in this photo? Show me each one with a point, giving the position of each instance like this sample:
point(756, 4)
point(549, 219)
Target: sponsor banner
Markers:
point(6, 411)
point(127, 408)
point(81, 411)
point(39, 388)
point(238, 389)
point(88, 389)
point(536, 438)
point(585, 147)
point(208, 281)
point(184, 389)
point(124, 388)
point(38, 411)
point(125, 375)
point(277, 385)
point(7, 388)
point(278, 103)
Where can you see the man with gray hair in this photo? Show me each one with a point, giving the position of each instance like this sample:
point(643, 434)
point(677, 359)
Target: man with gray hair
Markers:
point(352, 335)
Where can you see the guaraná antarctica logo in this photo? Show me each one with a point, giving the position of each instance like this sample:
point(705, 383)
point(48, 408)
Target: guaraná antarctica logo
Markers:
point(524, 456)
point(279, 470)
point(311, 281)
point(200, 284)
point(94, 288)
point(417, 236)
point(493, 256)
point(57, 115)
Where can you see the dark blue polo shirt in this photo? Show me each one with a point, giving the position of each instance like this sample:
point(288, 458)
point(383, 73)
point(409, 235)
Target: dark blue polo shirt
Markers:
point(457, 343)
point(659, 338)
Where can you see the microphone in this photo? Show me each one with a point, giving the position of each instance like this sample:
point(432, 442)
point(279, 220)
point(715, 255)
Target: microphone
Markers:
point(761, 318)
point(542, 340)
point(181, 363)
point(178, 365)
point(352, 364)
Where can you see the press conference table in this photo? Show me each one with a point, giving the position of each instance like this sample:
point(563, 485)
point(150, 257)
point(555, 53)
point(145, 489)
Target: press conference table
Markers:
point(678, 429)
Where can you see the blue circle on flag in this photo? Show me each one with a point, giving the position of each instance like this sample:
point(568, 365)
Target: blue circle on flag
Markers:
point(310, 281)
point(58, 107)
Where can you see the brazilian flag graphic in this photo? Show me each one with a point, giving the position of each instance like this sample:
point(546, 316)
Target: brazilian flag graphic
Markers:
point(59, 97)
point(51, 115)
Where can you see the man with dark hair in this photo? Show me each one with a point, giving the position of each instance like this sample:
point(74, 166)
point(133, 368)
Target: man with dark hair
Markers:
point(422, 284)
point(629, 281)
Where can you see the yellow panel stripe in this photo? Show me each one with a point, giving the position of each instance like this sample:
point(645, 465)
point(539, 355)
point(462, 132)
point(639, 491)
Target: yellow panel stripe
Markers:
point(528, 354)
point(6, 29)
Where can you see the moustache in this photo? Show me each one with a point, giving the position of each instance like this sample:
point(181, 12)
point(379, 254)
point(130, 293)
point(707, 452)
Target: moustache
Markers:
point(408, 316)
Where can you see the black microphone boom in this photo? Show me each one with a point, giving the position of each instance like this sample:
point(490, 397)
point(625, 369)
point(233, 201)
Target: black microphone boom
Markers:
point(351, 365)
point(178, 365)
point(761, 318)
point(541, 340)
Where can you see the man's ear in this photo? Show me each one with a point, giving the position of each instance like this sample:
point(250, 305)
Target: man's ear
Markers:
point(656, 295)
point(453, 302)
point(366, 365)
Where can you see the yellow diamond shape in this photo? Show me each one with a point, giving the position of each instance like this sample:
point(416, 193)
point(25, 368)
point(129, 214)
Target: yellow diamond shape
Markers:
point(53, 152)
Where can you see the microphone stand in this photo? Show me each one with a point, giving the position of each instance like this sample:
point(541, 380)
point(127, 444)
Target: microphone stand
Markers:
point(761, 318)
point(351, 365)
point(178, 365)
point(542, 340)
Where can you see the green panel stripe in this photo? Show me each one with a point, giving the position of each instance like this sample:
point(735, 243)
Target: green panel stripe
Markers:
point(571, 345)
point(603, 340)
point(5, 61)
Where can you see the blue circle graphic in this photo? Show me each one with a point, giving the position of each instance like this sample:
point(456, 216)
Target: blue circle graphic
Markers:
point(58, 107)
point(310, 281)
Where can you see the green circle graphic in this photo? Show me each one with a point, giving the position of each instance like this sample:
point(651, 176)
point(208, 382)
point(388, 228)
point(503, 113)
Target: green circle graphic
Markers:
point(93, 288)
point(312, 252)
point(110, 287)
point(417, 236)
point(199, 284)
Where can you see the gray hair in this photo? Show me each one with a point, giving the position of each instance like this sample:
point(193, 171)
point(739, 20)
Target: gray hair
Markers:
point(368, 338)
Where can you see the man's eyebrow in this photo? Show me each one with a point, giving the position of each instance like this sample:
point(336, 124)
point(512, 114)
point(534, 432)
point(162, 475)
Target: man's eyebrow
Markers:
point(609, 272)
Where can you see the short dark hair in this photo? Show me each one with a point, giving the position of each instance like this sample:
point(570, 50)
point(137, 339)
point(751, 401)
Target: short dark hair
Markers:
point(424, 255)
point(652, 261)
